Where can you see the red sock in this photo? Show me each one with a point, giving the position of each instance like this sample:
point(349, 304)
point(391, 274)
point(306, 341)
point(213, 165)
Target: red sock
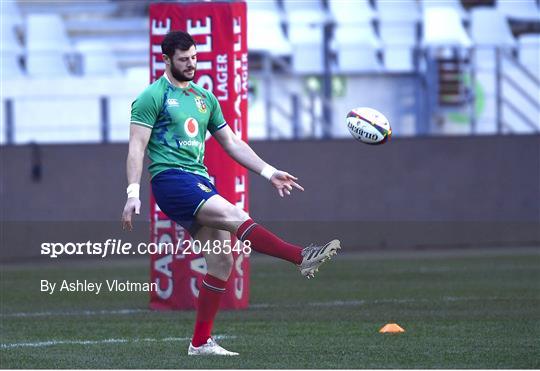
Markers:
point(264, 241)
point(210, 294)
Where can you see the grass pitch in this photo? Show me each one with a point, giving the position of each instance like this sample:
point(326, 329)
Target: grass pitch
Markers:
point(460, 309)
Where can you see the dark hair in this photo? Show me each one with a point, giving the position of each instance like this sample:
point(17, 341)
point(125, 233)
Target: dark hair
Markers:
point(176, 40)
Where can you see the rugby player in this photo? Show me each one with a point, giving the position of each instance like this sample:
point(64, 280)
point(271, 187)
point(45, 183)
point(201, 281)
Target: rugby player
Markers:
point(171, 118)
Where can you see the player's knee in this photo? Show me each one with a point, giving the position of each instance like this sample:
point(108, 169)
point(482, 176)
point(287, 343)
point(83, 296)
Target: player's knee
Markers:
point(227, 263)
point(221, 266)
point(234, 213)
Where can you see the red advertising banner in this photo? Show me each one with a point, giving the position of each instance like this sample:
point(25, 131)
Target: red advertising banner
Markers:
point(220, 31)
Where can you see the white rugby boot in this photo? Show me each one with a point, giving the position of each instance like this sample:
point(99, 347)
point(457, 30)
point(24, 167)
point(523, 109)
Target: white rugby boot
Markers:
point(211, 348)
point(314, 256)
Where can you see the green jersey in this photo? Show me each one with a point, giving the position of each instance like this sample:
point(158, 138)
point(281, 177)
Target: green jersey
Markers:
point(179, 119)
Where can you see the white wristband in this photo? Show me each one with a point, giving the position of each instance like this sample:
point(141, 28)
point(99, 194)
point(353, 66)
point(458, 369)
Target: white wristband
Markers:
point(268, 171)
point(133, 190)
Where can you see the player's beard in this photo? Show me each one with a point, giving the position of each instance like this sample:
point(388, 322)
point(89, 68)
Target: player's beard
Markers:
point(181, 76)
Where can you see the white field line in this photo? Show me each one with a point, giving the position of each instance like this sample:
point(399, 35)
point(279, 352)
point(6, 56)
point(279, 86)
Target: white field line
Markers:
point(77, 313)
point(354, 303)
point(92, 342)
point(334, 303)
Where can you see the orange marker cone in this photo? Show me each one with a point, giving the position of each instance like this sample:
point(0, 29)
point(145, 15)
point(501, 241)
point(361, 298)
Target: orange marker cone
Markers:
point(391, 328)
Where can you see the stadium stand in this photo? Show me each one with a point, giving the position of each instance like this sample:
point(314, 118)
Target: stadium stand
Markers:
point(371, 44)
point(443, 27)
point(11, 49)
point(126, 38)
point(305, 22)
point(398, 29)
point(355, 42)
point(522, 9)
point(265, 33)
point(47, 46)
point(529, 53)
point(71, 9)
point(356, 12)
point(489, 29)
point(493, 39)
point(454, 4)
point(97, 58)
point(357, 49)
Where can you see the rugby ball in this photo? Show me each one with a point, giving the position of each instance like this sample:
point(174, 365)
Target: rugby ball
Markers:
point(368, 125)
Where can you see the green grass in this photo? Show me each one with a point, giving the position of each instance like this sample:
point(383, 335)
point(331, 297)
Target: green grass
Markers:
point(460, 309)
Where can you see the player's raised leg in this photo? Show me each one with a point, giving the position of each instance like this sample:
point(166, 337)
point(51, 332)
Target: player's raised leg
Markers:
point(221, 214)
point(219, 268)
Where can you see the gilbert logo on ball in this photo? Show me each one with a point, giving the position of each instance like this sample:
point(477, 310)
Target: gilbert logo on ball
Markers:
point(191, 127)
point(368, 125)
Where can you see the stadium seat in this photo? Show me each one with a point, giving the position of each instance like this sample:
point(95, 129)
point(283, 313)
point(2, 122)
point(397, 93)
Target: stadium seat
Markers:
point(265, 33)
point(267, 6)
point(307, 48)
point(91, 9)
point(399, 58)
point(443, 27)
point(398, 22)
point(129, 51)
point(10, 48)
point(11, 51)
point(305, 22)
point(45, 32)
point(489, 29)
point(399, 42)
point(346, 12)
point(11, 14)
point(398, 33)
point(519, 9)
point(357, 47)
point(89, 27)
point(529, 53)
point(10, 65)
point(47, 45)
point(127, 37)
point(138, 73)
point(97, 58)
point(454, 4)
point(304, 12)
point(398, 11)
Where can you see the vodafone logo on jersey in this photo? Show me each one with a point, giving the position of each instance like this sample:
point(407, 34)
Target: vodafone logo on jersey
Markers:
point(191, 127)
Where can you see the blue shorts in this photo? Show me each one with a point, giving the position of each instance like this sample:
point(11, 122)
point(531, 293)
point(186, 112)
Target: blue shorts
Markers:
point(180, 195)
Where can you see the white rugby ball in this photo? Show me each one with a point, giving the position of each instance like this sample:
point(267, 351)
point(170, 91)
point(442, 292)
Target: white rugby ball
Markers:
point(368, 125)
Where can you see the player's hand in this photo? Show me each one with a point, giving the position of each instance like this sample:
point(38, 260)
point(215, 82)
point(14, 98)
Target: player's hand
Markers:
point(133, 204)
point(284, 183)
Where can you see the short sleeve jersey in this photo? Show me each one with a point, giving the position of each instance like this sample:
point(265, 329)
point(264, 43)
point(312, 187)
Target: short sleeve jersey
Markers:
point(179, 119)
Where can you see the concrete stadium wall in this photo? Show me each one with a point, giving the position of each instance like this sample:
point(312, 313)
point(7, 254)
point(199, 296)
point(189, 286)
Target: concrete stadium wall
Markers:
point(417, 192)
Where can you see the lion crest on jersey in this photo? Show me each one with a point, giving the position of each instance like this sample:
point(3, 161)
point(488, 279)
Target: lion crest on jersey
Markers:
point(201, 104)
point(204, 188)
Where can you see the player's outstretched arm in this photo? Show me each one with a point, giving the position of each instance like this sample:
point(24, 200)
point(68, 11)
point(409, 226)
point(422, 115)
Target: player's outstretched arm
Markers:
point(242, 153)
point(138, 139)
